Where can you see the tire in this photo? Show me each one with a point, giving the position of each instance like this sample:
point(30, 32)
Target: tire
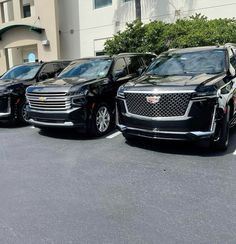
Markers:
point(101, 121)
point(22, 117)
point(223, 141)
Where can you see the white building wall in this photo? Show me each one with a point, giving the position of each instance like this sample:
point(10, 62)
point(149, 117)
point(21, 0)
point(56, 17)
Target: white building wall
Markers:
point(69, 28)
point(92, 27)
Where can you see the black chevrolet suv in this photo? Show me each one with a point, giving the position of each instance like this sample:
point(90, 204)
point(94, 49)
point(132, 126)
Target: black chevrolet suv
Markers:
point(83, 95)
point(14, 83)
point(186, 94)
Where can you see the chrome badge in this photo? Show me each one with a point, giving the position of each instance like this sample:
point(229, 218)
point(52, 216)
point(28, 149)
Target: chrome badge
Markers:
point(153, 99)
point(42, 99)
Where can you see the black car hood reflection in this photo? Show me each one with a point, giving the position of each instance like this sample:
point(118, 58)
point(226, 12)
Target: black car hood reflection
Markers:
point(176, 80)
point(65, 82)
point(7, 83)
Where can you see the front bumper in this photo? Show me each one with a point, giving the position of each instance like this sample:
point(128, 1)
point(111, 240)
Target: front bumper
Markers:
point(167, 135)
point(73, 118)
point(5, 107)
point(198, 123)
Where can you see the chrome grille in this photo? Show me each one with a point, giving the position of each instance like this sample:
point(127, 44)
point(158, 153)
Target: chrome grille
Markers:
point(169, 104)
point(49, 101)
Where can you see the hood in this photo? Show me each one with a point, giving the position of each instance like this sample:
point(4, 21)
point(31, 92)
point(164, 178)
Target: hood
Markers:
point(63, 82)
point(187, 81)
point(61, 85)
point(8, 83)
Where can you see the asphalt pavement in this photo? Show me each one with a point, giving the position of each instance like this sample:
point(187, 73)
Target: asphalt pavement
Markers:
point(61, 187)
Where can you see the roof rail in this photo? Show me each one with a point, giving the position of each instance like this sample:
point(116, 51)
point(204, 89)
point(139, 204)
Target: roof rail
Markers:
point(229, 44)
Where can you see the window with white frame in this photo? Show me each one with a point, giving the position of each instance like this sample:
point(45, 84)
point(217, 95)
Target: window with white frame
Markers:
point(102, 3)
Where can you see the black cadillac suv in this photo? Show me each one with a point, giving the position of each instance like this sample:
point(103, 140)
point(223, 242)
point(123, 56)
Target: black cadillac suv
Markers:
point(14, 83)
point(83, 95)
point(186, 94)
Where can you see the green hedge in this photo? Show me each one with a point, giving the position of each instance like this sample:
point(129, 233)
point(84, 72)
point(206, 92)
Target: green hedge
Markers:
point(159, 36)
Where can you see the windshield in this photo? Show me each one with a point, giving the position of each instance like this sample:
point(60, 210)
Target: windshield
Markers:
point(210, 62)
point(88, 69)
point(22, 72)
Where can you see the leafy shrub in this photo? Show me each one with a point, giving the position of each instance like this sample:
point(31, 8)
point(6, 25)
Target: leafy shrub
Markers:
point(159, 36)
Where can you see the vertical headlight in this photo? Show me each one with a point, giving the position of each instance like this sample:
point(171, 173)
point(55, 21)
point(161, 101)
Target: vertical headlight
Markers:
point(120, 92)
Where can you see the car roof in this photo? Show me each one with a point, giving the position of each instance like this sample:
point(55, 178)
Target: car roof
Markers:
point(196, 49)
point(134, 54)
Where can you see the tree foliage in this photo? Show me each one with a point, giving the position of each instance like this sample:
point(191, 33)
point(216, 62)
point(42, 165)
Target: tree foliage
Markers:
point(159, 36)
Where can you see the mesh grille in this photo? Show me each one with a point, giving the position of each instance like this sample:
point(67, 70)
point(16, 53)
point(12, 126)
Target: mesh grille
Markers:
point(169, 105)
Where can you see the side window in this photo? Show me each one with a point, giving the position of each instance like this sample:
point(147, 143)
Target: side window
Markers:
point(148, 59)
point(233, 61)
point(57, 68)
point(120, 68)
point(48, 71)
point(48, 68)
point(134, 63)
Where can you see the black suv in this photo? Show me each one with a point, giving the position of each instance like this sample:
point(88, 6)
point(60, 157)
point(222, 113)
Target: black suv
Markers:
point(186, 94)
point(83, 95)
point(14, 83)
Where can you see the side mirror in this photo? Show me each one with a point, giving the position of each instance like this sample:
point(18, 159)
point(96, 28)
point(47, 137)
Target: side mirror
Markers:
point(141, 70)
point(119, 74)
point(43, 76)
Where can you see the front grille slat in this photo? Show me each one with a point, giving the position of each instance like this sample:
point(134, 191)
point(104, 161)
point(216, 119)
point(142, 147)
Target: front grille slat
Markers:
point(49, 101)
point(169, 104)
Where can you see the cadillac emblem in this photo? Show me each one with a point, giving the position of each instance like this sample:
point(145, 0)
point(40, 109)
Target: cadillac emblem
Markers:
point(153, 99)
point(42, 99)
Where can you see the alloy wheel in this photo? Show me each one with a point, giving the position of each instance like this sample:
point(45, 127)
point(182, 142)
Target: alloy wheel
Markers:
point(103, 119)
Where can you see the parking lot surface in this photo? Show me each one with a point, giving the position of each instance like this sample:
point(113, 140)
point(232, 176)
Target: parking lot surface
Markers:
point(60, 187)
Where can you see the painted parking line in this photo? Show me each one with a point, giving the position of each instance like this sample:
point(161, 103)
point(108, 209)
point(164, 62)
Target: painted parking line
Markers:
point(114, 135)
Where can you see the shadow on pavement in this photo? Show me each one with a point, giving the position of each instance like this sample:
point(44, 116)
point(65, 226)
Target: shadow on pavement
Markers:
point(68, 134)
point(11, 125)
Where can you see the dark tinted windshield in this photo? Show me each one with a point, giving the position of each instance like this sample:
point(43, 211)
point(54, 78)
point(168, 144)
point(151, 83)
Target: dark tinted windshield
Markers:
point(89, 69)
point(210, 62)
point(22, 72)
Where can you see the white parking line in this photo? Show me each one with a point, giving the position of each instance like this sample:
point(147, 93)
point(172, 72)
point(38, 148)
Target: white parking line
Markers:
point(114, 135)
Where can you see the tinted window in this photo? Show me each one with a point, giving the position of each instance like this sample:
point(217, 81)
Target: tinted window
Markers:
point(133, 63)
point(26, 11)
point(102, 3)
point(148, 59)
point(48, 68)
point(120, 66)
point(210, 62)
point(22, 72)
point(57, 67)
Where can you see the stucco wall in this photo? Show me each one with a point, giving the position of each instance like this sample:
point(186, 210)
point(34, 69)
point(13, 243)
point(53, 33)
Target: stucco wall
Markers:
point(44, 16)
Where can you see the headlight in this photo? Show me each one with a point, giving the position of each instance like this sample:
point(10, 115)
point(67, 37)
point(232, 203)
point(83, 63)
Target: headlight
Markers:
point(206, 92)
point(120, 92)
point(78, 101)
point(5, 92)
point(78, 97)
